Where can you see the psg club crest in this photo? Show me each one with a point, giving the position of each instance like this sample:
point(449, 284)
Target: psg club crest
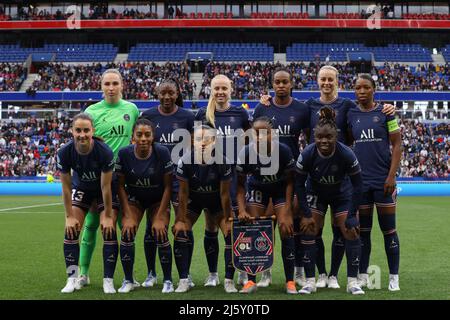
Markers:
point(253, 245)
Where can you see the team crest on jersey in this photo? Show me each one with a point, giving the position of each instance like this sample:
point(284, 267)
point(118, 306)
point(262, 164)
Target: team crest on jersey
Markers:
point(175, 125)
point(151, 171)
point(232, 119)
point(376, 119)
point(334, 168)
point(126, 116)
point(292, 119)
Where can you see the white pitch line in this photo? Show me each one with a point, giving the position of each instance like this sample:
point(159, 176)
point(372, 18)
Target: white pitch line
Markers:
point(35, 206)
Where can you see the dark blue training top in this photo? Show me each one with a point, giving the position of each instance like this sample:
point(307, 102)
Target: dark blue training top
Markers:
point(341, 106)
point(87, 169)
point(166, 124)
point(327, 174)
point(268, 183)
point(289, 121)
point(144, 178)
point(370, 130)
point(204, 179)
point(226, 123)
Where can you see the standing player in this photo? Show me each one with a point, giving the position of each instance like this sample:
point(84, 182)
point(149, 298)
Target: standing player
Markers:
point(145, 182)
point(204, 185)
point(289, 116)
point(327, 80)
point(113, 119)
point(328, 163)
point(227, 119)
point(278, 187)
point(92, 163)
point(374, 133)
point(167, 117)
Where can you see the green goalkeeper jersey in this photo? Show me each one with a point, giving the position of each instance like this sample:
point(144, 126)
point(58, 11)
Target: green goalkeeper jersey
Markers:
point(114, 122)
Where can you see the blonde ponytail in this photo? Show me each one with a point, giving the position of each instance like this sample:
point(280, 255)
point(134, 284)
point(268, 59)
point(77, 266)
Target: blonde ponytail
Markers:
point(210, 110)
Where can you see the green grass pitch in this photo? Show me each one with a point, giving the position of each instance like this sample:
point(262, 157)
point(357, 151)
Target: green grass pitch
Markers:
point(32, 263)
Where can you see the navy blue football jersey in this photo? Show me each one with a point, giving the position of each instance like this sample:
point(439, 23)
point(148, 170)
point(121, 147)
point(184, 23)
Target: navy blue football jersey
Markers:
point(249, 163)
point(328, 175)
point(226, 123)
point(370, 130)
point(166, 124)
point(288, 120)
point(204, 180)
point(87, 169)
point(144, 178)
point(341, 106)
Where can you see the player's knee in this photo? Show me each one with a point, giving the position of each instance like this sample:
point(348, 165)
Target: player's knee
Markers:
point(387, 223)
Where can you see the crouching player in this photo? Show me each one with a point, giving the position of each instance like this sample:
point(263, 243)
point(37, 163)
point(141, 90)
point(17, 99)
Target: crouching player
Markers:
point(204, 185)
point(278, 186)
point(145, 182)
point(92, 163)
point(328, 163)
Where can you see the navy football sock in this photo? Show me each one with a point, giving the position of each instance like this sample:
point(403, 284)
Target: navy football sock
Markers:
point(181, 253)
point(392, 247)
point(391, 241)
point(150, 249)
point(165, 258)
point(320, 253)
point(229, 268)
point(298, 244)
point(71, 255)
point(190, 235)
point(110, 252)
point(288, 254)
point(353, 252)
point(127, 257)
point(211, 245)
point(337, 251)
point(309, 255)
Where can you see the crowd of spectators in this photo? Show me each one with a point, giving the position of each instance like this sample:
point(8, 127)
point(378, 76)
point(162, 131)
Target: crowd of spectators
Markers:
point(251, 79)
point(426, 150)
point(98, 11)
point(11, 76)
point(140, 79)
point(29, 148)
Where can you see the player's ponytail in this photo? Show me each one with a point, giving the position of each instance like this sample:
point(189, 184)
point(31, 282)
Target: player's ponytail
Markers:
point(327, 117)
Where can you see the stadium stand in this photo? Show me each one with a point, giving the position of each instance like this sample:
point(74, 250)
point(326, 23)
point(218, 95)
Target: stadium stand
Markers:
point(339, 51)
point(221, 51)
point(140, 79)
point(250, 80)
point(11, 76)
point(62, 52)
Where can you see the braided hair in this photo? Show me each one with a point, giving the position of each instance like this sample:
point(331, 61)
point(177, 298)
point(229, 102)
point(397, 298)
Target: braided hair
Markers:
point(264, 119)
point(327, 117)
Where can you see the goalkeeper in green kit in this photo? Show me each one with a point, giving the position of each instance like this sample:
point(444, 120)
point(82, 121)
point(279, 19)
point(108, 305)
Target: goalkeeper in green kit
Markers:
point(114, 119)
